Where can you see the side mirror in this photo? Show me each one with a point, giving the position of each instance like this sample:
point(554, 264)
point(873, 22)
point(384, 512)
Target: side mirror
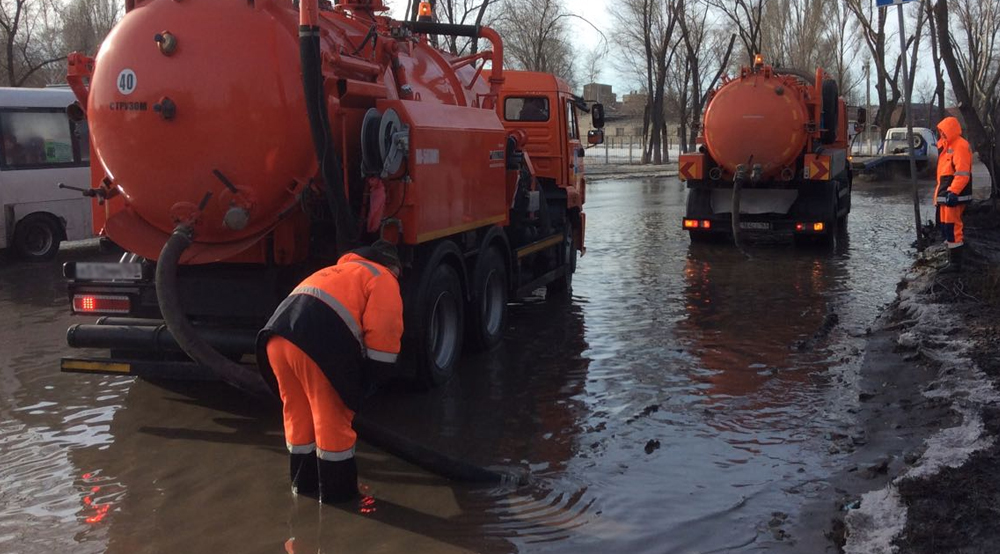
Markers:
point(595, 136)
point(862, 116)
point(597, 117)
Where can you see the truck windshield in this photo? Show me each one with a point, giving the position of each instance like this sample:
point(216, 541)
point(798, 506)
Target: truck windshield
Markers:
point(526, 108)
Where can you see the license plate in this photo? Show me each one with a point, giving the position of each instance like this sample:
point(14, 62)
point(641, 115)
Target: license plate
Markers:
point(108, 272)
point(755, 225)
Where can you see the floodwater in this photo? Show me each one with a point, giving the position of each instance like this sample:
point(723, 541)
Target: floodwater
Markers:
point(678, 402)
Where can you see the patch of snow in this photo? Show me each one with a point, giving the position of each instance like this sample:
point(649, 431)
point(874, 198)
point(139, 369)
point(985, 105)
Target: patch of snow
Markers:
point(937, 334)
point(876, 523)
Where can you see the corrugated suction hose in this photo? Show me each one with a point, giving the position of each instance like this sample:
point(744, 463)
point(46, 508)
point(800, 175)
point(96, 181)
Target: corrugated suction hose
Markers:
point(168, 297)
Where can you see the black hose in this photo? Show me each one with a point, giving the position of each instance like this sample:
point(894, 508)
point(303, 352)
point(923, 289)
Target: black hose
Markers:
point(319, 125)
point(184, 333)
point(434, 461)
point(738, 182)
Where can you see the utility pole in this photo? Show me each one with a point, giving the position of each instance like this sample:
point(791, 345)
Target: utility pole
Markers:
point(868, 104)
point(909, 116)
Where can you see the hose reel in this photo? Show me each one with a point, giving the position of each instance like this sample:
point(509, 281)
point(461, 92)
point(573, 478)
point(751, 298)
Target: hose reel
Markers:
point(385, 143)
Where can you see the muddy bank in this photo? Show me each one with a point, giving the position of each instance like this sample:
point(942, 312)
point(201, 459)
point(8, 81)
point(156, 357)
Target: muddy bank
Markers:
point(925, 481)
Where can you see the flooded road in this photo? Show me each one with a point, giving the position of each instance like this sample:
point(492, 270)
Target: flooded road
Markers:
point(681, 401)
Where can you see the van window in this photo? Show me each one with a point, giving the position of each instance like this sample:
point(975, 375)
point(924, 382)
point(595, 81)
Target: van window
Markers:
point(526, 108)
point(39, 138)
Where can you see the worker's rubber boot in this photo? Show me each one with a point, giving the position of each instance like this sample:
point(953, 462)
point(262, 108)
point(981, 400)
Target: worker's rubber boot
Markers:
point(304, 474)
point(954, 260)
point(338, 481)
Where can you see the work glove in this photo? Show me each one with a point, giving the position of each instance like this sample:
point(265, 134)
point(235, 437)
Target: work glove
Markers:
point(951, 199)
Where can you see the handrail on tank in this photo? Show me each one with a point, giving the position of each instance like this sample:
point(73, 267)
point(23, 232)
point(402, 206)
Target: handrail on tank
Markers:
point(79, 70)
point(471, 31)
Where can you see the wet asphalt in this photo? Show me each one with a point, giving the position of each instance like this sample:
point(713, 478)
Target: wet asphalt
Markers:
point(677, 402)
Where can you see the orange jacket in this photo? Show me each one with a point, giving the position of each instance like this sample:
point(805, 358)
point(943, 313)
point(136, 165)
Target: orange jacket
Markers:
point(954, 170)
point(348, 318)
point(366, 296)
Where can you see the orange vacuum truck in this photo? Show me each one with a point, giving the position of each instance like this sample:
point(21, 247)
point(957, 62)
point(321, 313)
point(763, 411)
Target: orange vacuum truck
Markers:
point(244, 144)
point(772, 156)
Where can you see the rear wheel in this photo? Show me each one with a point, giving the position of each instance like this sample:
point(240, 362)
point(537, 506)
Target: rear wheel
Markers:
point(37, 237)
point(440, 316)
point(564, 284)
point(488, 312)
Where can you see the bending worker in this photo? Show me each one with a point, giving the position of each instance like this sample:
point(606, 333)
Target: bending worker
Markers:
point(954, 188)
point(324, 345)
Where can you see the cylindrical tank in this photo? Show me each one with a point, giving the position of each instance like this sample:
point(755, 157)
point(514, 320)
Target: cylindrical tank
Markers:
point(760, 114)
point(201, 101)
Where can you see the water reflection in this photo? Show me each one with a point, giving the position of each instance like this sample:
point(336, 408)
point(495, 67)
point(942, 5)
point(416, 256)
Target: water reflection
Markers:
point(666, 407)
point(756, 324)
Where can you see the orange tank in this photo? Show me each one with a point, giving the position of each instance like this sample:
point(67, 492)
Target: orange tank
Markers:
point(198, 108)
point(761, 114)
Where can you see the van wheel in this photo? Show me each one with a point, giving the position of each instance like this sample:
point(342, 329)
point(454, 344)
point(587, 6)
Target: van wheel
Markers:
point(488, 312)
point(564, 284)
point(440, 315)
point(37, 238)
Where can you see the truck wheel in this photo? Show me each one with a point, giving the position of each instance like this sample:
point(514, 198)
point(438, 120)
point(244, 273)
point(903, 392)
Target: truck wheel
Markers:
point(829, 239)
point(440, 315)
point(37, 237)
point(564, 284)
point(488, 311)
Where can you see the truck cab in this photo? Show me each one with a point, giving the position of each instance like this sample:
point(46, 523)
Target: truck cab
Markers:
point(542, 109)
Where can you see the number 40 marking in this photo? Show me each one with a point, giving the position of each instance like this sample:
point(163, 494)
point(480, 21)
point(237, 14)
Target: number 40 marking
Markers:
point(126, 81)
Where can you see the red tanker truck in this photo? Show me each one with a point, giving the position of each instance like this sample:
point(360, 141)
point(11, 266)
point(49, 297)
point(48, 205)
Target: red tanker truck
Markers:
point(243, 145)
point(773, 150)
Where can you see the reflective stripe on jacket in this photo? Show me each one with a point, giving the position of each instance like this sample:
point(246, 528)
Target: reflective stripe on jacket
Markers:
point(340, 316)
point(954, 171)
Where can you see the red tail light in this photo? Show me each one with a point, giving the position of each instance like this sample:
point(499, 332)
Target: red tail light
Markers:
point(101, 304)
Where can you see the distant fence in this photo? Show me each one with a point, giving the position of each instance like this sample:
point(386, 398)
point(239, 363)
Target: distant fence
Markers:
point(623, 150)
point(627, 150)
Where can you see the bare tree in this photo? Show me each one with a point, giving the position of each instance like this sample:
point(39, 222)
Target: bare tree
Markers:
point(462, 12)
point(793, 33)
point(30, 41)
point(844, 48)
point(938, 96)
point(85, 23)
point(645, 32)
point(593, 63)
point(970, 50)
point(537, 36)
point(748, 18)
point(694, 33)
point(872, 21)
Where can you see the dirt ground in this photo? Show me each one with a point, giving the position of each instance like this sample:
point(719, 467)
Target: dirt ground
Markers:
point(940, 494)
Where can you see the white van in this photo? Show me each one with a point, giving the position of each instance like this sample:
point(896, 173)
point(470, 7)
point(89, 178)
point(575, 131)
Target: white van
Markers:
point(42, 148)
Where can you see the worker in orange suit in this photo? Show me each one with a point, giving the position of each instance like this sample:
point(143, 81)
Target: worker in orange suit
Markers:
point(322, 350)
point(954, 188)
